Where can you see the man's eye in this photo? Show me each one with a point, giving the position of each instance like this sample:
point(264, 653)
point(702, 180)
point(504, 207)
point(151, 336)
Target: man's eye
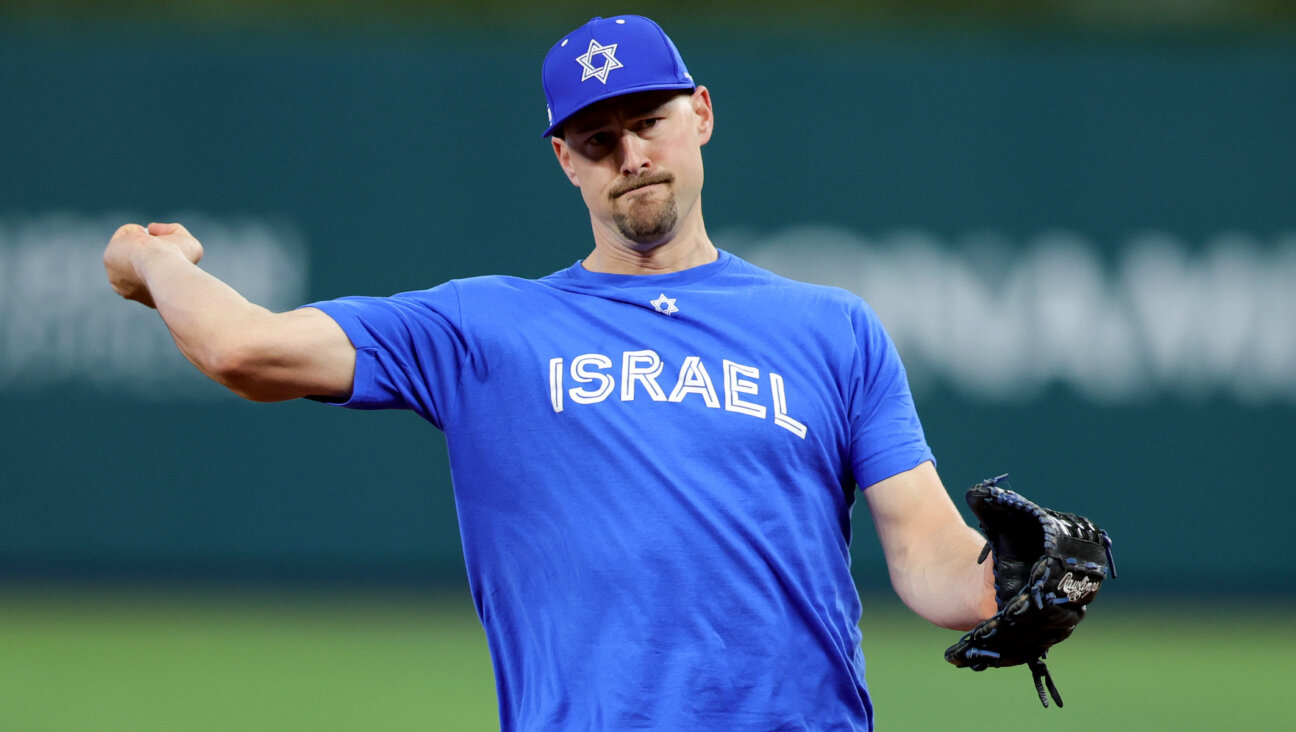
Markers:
point(598, 139)
point(650, 122)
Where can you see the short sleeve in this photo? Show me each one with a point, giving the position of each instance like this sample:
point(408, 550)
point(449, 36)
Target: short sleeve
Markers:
point(410, 350)
point(886, 435)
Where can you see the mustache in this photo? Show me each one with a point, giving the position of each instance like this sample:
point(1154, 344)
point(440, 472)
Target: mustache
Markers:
point(639, 181)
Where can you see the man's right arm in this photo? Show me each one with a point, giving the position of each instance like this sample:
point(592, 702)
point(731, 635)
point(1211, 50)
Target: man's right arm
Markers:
point(257, 354)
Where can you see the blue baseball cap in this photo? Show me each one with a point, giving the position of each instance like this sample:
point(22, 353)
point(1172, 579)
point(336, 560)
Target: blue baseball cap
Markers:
point(606, 58)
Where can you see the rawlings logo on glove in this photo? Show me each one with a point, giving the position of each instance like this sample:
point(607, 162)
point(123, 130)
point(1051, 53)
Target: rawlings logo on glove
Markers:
point(1048, 567)
point(1077, 590)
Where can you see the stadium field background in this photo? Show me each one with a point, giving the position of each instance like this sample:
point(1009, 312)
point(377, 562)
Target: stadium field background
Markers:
point(155, 661)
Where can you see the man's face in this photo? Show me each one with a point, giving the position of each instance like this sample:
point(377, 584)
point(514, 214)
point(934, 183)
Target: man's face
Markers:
point(638, 161)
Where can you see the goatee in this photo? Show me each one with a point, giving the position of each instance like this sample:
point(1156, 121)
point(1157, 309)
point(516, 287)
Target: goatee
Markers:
point(646, 221)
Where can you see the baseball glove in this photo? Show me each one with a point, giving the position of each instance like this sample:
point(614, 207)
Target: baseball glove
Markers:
point(1048, 567)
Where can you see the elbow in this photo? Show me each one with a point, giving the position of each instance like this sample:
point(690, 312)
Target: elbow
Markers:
point(275, 360)
point(242, 368)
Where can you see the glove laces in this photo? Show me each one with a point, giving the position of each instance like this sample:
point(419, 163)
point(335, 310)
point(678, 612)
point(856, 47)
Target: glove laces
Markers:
point(1042, 679)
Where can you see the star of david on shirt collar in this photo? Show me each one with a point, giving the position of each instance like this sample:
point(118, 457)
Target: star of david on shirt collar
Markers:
point(664, 305)
point(610, 61)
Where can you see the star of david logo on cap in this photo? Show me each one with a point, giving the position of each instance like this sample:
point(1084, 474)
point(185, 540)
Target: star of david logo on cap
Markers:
point(664, 305)
point(610, 61)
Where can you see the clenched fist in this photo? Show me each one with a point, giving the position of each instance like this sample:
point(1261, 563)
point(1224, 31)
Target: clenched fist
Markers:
point(128, 251)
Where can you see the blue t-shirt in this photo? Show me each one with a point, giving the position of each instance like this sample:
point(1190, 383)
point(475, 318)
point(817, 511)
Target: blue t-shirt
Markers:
point(654, 477)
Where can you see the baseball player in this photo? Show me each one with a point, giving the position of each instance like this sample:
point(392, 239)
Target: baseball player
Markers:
point(655, 451)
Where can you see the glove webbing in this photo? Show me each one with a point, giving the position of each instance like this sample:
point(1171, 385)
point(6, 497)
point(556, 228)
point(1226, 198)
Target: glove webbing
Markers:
point(1052, 522)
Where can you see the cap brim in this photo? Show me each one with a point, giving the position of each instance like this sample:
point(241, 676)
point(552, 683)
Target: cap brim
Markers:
point(612, 94)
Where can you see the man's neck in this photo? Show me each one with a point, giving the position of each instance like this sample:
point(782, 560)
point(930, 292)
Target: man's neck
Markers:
point(689, 248)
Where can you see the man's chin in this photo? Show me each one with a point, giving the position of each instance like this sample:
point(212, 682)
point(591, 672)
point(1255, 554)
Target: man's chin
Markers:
point(648, 234)
point(648, 225)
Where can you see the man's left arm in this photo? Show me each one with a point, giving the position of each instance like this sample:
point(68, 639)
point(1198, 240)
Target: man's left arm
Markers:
point(931, 552)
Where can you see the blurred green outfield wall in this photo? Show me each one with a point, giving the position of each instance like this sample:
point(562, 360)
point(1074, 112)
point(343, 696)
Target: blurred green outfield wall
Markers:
point(1085, 249)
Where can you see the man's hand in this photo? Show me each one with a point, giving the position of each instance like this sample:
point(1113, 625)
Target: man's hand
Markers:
point(132, 243)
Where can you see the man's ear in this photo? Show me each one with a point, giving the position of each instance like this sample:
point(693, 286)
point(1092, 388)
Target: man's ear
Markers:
point(563, 153)
point(704, 112)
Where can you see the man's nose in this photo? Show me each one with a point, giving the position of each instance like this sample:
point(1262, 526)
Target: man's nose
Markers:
point(633, 152)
